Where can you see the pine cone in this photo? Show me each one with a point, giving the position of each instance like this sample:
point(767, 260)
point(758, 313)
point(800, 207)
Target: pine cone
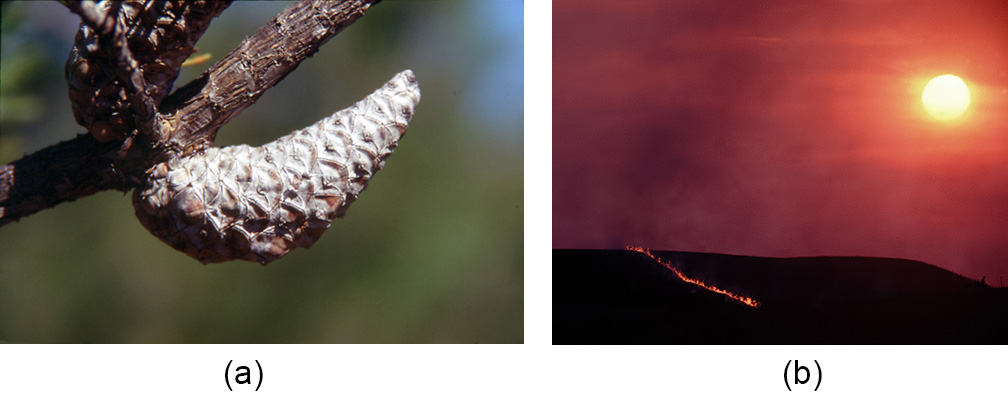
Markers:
point(160, 34)
point(258, 203)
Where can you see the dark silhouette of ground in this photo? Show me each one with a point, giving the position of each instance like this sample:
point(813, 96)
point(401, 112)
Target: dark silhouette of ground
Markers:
point(626, 297)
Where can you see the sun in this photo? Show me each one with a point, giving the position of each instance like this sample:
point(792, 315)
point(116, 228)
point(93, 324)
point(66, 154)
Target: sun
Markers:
point(946, 97)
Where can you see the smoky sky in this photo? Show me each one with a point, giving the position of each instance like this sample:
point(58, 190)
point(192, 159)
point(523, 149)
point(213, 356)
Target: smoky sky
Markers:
point(781, 129)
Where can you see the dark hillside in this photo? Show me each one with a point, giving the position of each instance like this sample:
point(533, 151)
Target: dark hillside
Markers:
point(616, 296)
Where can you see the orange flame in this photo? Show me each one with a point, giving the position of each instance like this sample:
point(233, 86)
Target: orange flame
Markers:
point(742, 299)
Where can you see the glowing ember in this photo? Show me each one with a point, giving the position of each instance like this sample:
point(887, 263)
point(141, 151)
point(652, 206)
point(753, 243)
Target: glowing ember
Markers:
point(742, 299)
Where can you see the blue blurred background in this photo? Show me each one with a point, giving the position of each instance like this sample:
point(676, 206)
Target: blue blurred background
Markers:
point(432, 251)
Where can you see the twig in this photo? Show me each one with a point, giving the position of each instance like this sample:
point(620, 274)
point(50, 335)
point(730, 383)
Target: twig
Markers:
point(88, 11)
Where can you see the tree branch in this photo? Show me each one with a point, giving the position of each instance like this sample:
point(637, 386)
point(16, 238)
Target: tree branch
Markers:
point(196, 111)
point(59, 173)
point(192, 114)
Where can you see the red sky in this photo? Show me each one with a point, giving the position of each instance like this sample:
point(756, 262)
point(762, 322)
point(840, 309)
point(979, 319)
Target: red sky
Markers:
point(781, 128)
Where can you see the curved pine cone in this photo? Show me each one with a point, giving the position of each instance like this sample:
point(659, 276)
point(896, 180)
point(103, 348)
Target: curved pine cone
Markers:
point(258, 203)
point(160, 34)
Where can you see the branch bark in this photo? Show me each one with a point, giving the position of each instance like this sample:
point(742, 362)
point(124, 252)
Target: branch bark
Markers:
point(190, 117)
point(196, 111)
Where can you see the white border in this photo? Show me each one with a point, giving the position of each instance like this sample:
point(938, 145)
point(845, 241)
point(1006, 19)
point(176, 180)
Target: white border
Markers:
point(538, 173)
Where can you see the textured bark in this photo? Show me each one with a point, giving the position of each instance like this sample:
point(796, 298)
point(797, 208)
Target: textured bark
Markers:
point(59, 173)
point(190, 117)
point(258, 203)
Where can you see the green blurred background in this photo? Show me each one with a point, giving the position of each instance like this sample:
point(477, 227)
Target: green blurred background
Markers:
point(432, 251)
